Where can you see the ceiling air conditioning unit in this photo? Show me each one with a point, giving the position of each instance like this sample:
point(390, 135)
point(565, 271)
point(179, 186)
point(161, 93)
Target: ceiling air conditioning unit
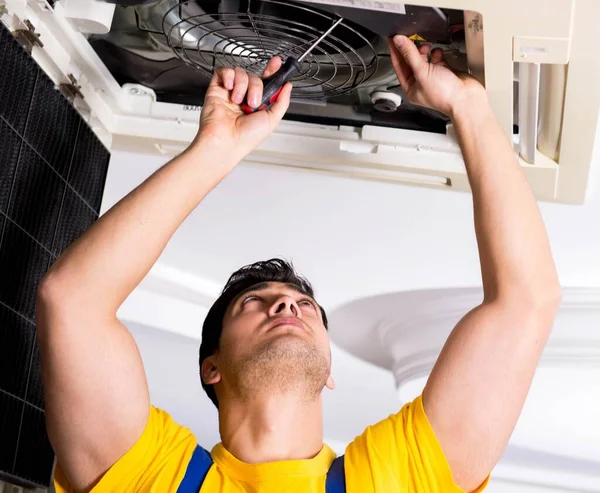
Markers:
point(138, 71)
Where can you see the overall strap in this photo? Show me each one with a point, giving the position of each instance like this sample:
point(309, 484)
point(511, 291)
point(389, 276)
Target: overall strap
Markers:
point(336, 477)
point(196, 471)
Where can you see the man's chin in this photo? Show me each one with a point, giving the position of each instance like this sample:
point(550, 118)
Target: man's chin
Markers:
point(286, 346)
point(285, 363)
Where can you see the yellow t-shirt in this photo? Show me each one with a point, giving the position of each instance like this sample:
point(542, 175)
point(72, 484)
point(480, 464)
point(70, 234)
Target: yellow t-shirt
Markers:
point(399, 454)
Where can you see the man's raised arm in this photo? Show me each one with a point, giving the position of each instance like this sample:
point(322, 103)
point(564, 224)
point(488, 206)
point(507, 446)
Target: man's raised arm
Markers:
point(478, 386)
point(96, 394)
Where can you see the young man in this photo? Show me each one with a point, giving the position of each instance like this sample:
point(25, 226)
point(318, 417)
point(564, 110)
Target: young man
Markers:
point(265, 351)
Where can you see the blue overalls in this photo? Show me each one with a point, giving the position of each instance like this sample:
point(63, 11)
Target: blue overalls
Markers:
point(201, 462)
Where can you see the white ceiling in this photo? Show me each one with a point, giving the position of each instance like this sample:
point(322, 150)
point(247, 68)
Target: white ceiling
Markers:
point(353, 239)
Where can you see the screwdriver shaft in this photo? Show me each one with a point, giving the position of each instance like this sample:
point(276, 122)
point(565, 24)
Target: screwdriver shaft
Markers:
point(320, 39)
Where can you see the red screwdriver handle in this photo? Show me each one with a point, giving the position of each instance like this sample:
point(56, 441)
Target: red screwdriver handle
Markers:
point(273, 85)
point(263, 106)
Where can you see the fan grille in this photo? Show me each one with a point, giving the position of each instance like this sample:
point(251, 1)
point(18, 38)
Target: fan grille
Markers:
point(342, 61)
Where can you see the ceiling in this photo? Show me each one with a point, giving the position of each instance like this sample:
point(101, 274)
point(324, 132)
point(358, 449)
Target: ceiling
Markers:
point(354, 240)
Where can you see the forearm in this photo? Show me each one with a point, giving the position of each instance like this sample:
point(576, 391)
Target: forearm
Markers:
point(513, 245)
point(101, 268)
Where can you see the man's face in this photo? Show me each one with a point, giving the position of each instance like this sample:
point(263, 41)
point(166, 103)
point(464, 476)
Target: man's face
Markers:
point(273, 340)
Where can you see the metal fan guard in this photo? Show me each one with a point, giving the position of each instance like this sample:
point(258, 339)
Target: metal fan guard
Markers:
point(208, 41)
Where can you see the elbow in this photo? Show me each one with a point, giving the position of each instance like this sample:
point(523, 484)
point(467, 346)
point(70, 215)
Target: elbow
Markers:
point(61, 300)
point(555, 295)
point(547, 298)
point(542, 309)
point(58, 307)
point(541, 300)
point(61, 285)
point(46, 291)
point(50, 290)
point(54, 299)
point(44, 301)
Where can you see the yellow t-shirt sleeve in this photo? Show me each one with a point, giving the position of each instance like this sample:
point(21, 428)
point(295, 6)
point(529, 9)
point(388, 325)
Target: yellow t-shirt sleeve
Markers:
point(156, 463)
point(399, 454)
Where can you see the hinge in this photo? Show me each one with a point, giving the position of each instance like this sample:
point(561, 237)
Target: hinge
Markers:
point(28, 38)
point(70, 90)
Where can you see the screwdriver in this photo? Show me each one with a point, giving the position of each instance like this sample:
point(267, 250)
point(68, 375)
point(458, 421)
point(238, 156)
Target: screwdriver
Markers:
point(274, 84)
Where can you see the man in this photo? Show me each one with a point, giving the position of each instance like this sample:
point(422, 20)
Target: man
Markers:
point(265, 351)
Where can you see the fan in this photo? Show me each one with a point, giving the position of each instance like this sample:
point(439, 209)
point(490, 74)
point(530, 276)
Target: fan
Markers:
point(247, 33)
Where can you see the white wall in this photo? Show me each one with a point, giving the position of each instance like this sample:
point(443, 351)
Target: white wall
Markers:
point(507, 487)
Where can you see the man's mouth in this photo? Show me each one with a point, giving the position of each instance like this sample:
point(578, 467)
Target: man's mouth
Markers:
point(287, 321)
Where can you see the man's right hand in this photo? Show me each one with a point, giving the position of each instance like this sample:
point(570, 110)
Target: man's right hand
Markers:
point(432, 84)
point(224, 125)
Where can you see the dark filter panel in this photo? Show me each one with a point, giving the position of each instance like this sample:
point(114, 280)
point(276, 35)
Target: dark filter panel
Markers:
point(10, 146)
point(34, 459)
point(23, 262)
point(37, 193)
point(35, 394)
point(75, 217)
point(16, 82)
point(11, 409)
point(17, 335)
point(52, 174)
point(52, 126)
point(89, 167)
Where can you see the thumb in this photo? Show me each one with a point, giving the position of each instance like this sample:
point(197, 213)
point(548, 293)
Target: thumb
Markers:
point(409, 52)
point(280, 106)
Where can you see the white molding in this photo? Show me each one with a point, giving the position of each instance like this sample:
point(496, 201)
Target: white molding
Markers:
point(181, 285)
point(552, 480)
point(571, 344)
point(172, 300)
point(556, 478)
point(404, 332)
point(163, 312)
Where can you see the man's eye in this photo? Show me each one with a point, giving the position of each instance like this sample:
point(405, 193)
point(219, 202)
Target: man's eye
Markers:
point(247, 299)
point(307, 303)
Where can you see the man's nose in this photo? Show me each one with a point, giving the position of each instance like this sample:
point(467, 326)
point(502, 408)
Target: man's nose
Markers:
point(283, 306)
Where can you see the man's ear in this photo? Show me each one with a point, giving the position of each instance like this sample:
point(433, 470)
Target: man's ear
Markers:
point(209, 371)
point(330, 383)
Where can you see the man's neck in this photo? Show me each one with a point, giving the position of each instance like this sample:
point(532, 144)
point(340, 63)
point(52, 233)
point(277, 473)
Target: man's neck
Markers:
point(272, 428)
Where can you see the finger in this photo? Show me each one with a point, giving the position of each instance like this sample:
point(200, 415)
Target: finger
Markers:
point(409, 53)
point(424, 51)
point(437, 55)
point(280, 106)
point(403, 71)
point(255, 91)
point(240, 85)
point(273, 66)
point(223, 77)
